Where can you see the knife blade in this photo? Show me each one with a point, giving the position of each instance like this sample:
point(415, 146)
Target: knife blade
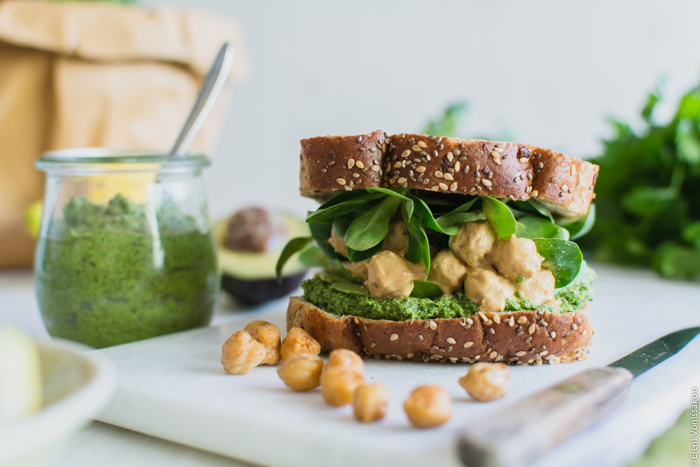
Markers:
point(519, 434)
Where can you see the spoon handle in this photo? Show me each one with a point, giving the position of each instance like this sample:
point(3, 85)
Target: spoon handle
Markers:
point(211, 88)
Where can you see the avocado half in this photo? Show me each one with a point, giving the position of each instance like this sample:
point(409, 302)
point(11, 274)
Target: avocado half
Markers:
point(250, 276)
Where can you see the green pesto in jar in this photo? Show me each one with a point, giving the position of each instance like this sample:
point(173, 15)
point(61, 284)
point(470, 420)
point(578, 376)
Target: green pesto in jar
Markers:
point(111, 274)
point(573, 297)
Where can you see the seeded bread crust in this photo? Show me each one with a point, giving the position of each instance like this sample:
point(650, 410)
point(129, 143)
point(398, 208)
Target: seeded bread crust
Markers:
point(516, 338)
point(448, 165)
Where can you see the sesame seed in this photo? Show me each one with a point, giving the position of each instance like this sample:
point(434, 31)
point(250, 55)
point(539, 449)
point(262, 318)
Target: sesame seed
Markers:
point(453, 187)
point(443, 186)
point(372, 149)
point(360, 165)
point(383, 147)
point(441, 147)
point(394, 337)
point(434, 188)
point(331, 163)
point(422, 144)
point(584, 332)
point(522, 160)
point(341, 181)
point(433, 325)
point(495, 154)
point(420, 169)
point(451, 340)
point(376, 168)
point(450, 156)
point(416, 148)
point(435, 347)
point(453, 359)
point(511, 321)
point(438, 174)
point(532, 328)
point(534, 193)
point(374, 344)
point(543, 353)
point(401, 180)
point(522, 320)
point(398, 164)
point(553, 334)
point(466, 169)
point(493, 354)
point(420, 337)
point(410, 355)
point(359, 139)
point(468, 344)
point(324, 170)
point(564, 188)
point(529, 176)
point(540, 165)
point(411, 140)
point(387, 356)
point(521, 353)
point(496, 319)
point(431, 137)
point(347, 188)
point(486, 182)
point(528, 340)
point(497, 160)
point(406, 153)
point(573, 326)
point(457, 166)
point(355, 175)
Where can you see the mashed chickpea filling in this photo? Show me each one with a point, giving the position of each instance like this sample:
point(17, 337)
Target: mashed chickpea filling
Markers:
point(489, 272)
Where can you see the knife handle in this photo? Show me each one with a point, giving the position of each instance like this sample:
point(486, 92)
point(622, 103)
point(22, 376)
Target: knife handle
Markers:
point(519, 434)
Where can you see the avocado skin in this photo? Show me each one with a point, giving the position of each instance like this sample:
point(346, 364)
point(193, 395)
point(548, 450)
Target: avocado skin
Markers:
point(254, 292)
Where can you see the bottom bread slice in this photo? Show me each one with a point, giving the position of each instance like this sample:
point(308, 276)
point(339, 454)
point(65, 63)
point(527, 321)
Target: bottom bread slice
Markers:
point(516, 338)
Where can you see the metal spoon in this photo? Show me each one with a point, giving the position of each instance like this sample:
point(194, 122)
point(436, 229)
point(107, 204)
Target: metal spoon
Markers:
point(211, 88)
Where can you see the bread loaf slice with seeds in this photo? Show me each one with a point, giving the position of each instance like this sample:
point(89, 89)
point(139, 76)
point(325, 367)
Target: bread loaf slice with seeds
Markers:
point(516, 338)
point(449, 165)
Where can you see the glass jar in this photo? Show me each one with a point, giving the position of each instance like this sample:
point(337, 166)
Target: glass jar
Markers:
point(125, 250)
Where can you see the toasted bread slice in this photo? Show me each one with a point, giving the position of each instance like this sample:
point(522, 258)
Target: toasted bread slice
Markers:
point(448, 165)
point(516, 338)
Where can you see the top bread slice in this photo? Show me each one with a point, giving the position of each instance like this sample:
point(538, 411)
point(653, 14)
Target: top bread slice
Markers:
point(448, 165)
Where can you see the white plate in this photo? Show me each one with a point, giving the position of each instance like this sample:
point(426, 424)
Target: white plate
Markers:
point(76, 385)
point(174, 387)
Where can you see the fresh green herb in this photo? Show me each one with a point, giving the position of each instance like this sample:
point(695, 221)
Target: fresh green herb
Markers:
point(519, 294)
point(648, 192)
point(580, 225)
point(450, 122)
point(356, 256)
point(295, 245)
point(500, 217)
point(451, 222)
point(562, 257)
point(536, 227)
point(370, 228)
point(418, 247)
point(426, 289)
point(313, 257)
point(350, 288)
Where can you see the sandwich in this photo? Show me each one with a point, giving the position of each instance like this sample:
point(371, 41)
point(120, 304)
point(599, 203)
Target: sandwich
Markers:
point(444, 249)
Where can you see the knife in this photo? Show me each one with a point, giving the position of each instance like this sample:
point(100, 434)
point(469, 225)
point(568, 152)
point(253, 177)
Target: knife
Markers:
point(519, 434)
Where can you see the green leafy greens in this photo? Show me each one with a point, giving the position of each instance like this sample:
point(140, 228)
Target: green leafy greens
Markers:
point(648, 192)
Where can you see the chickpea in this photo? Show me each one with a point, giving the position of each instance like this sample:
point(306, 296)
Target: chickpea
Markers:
point(428, 406)
point(370, 402)
point(301, 371)
point(255, 324)
point(299, 341)
point(346, 359)
point(338, 385)
point(241, 353)
point(269, 336)
point(486, 381)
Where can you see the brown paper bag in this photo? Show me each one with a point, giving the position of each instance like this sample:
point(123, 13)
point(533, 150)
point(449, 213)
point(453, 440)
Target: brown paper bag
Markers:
point(86, 74)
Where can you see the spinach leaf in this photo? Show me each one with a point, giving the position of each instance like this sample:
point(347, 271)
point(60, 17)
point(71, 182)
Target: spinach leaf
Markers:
point(313, 257)
point(426, 289)
point(370, 228)
point(340, 224)
point(295, 245)
point(357, 256)
point(561, 257)
point(407, 210)
point(399, 192)
point(541, 208)
point(422, 211)
point(451, 222)
point(349, 288)
point(340, 273)
point(500, 217)
point(326, 215)
point(418, 247)
point(536, 227)
point(321, 233)
point(579, 226)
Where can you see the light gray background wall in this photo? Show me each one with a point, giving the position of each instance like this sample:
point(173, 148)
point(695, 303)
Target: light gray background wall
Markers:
point(547, 72)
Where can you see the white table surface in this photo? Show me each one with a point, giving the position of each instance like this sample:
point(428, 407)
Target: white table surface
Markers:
point(99, 443)
point(105, 445)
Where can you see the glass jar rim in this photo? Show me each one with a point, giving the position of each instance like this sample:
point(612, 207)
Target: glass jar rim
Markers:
point(111, 160)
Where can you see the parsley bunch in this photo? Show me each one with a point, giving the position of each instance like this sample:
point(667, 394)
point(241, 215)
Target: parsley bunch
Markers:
point(648, 193)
